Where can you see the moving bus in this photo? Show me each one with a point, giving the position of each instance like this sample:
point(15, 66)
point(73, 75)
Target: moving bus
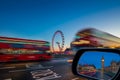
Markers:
point(16, 49)
point(94, 38)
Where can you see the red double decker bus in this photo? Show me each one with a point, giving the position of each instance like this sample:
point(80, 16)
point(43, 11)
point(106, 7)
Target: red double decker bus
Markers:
point(91, 37)
point(16, 49)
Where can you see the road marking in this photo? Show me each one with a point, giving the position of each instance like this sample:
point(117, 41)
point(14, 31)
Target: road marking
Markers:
point(75, 78)
point(8, 67)
point(40, 71)
point(49, 77)
point(44, 74)
point(37, 66)
point(33, 66)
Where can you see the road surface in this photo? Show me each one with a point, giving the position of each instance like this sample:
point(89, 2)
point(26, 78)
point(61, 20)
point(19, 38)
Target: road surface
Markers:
point(56, 69)
point(102, 76)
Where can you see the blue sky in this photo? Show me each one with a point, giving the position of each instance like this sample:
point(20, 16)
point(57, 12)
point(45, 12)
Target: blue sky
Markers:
point(39, 19)
point(91, 57)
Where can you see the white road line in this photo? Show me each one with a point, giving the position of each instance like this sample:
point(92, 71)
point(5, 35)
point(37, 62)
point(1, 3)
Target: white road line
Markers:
point(8, 67)
point(44, 74)
point(40, 71)
point(75, 78)
point(32, 66)
point(49, 77)
point(8, 79)
point(37, 66)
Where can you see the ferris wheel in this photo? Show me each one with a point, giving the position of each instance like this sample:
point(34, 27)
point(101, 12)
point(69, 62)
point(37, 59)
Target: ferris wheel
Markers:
point(60, 45)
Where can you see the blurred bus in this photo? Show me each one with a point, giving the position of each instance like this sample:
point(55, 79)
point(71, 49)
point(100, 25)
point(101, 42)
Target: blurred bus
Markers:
point(91, 37)
point(16, 49)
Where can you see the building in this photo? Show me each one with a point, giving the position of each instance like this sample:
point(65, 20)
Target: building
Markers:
point(114, 67)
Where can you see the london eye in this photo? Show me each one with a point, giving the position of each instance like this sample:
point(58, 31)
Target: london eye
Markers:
point(60, 43)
